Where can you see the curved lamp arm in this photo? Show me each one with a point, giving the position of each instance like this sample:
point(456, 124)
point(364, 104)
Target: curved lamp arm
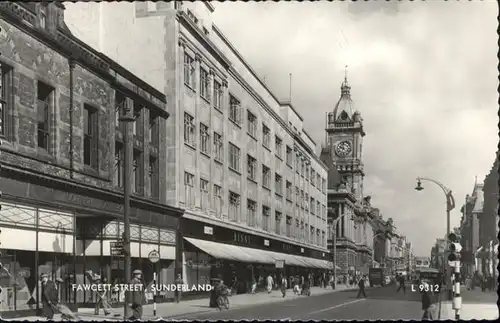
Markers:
point(450, 201)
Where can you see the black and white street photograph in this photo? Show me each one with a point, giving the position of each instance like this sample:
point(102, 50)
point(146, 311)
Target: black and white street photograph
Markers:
point(232, 160)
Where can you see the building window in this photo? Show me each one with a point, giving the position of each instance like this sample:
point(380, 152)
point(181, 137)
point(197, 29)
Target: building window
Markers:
point(189, 70)
point(251, 213)
point(306, 202)
point(318, 209)
point(5, 96)
point(252, 124)
point(234, 110)
point(234, 157)
point(203, 186)
point(234, 206)
point(205, 31)
point(307, 173)
point(189, 130)
point(136, 125)
point(191, 16)
point(313, 177)
point(189, 186)
point(297, 196)
point(278, 146)
point(323, 185)
point(188, 179)
point(43, 114)
point(266, 214)
point(252, 168)
point(297, 164)
point(90, 136)
point(118, 178)
point(205, 197)
point(312, 206)
point(302, 202)
point(120, 104)
point(289, 156)
point(289, 190)
point(153, 177)
point(204, 139)
point(318, 182)
point(204, 84)
point(266, 177)
point(278, 184)
point(277, 227)
point(43, 15)
point(137, 172)
point(217, 95)
point(266, 136)
point(217, 193)
point(153, 134)
point(218, 147)
point(288, 226)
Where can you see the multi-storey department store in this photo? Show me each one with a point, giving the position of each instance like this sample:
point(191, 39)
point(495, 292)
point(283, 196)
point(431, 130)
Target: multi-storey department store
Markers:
point(239, 160)
point(61, 177)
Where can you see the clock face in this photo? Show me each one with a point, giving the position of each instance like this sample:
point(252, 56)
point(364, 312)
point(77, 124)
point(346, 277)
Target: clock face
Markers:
point(343, 149)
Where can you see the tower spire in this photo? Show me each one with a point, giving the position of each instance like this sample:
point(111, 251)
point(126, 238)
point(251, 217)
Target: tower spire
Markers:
point(345, 88)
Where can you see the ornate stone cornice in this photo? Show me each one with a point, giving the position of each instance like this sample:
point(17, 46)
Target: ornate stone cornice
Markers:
point(197, 57)
point(182, 43)
point(224, 83)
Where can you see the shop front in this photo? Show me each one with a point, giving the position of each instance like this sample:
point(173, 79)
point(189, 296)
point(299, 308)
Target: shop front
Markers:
point(64, 231)
point(211, 251)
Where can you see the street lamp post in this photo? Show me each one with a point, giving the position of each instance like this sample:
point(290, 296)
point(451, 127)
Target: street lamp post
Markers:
point(450, 205)
point(127, 118)
point(334, 228)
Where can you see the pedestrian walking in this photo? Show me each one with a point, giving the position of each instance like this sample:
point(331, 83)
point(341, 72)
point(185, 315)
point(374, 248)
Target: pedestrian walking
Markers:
point(283, 286)
point(361, 285)
point(269, 284)
point(178, 293)
point(468, 283)
point(50, 296)
point(401, 280)
point(296, 288)
point(428, 303)
point(136, 295)
point(254, 285)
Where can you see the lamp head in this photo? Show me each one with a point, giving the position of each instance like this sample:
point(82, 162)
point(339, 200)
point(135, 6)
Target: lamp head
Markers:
point(419, 185)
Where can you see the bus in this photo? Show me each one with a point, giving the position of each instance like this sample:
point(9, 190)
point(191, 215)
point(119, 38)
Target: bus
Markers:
point(432, 275)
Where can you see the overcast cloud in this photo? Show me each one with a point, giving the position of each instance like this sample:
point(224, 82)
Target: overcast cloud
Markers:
point(423, 76)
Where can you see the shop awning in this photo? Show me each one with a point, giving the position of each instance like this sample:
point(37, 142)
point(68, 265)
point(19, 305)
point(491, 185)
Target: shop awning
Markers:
point(231, 252)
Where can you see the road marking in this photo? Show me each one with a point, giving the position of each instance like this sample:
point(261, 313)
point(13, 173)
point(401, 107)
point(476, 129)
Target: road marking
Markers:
point(337, 306)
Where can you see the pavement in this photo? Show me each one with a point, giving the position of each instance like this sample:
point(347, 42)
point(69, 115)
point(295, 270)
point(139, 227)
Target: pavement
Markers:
point(172, 311)
point(383, 303)
point(476, 305)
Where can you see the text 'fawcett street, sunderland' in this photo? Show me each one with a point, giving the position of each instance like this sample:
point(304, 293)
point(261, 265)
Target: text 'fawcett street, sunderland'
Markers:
point(179, 161)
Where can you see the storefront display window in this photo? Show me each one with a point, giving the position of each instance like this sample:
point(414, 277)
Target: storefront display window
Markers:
point(197, 268)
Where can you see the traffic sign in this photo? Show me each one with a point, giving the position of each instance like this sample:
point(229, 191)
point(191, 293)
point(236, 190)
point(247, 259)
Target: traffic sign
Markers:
point(116, 248)
point(154, 256)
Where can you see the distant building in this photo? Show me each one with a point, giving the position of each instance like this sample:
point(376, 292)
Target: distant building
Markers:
point(422, 262)
point(342, 154)
point(488, 222)
point(62, 174)
point(239, 159)
point(470, 228)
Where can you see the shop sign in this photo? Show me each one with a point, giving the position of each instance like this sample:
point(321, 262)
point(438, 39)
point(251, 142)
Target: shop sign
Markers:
point(266, 243)
point(241, 237)
point(280, 263)
point(302, 250)
point(154, 256)
point(208, 230)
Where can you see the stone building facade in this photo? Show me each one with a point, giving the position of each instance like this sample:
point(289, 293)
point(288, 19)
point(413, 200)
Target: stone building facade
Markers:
point(61, 176)
point(239, 159)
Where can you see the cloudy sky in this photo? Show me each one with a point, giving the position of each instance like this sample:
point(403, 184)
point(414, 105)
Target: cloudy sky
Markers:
point(423, 76)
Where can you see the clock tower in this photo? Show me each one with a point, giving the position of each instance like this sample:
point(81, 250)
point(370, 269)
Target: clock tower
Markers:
point(344, 129)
